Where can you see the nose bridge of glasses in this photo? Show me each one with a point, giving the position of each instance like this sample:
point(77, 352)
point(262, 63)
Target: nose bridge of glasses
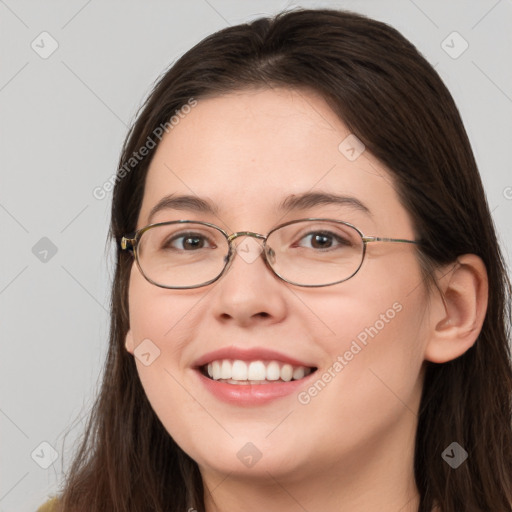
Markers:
point(249, 250)
point(238, 234)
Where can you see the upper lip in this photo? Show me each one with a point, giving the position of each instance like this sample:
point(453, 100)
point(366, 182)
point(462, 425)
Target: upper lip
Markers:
point(250, 354)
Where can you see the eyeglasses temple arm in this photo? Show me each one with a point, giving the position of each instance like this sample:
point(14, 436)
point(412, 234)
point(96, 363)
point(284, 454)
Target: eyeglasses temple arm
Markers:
point(367, 239)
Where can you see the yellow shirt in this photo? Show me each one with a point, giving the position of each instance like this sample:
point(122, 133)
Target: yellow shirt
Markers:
point(49, 506)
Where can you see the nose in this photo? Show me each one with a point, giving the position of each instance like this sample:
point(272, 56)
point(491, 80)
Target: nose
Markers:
point(249, 291)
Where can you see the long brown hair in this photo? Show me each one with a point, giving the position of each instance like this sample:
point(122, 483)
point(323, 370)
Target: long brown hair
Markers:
point(391, 98)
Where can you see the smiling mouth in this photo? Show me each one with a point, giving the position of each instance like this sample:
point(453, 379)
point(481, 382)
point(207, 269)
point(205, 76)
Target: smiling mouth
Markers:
point(240, 372)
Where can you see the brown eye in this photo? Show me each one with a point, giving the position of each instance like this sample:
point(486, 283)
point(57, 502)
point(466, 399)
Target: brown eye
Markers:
point(188, 242)
point(324, 240)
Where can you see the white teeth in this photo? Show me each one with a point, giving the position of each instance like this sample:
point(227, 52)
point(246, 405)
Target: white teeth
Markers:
point(298, 373)
point(239, 370)
point(215, 370)
point(287, 372)
point(273, 371)
point(255, 371)
point(225, 370)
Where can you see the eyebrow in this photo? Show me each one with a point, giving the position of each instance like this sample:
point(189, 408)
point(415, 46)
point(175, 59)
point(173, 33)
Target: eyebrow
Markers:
point(311, 199)
point(290, 203)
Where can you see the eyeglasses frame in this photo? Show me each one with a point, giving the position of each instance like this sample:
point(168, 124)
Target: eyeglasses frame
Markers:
point(130, 244)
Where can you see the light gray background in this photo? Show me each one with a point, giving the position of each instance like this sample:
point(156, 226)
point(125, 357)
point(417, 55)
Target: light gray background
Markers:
point(62, 123)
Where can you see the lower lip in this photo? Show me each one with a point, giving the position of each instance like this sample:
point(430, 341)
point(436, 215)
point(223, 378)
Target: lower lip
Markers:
point(251, 394)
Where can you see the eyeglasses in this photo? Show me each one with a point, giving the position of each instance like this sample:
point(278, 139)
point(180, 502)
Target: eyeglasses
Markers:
point(311, 252)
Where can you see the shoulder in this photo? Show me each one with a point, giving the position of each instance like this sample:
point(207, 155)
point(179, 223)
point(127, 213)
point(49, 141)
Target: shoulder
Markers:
point(49, 506)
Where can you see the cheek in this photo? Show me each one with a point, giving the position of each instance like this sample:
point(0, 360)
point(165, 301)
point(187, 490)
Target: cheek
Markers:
point(156, 320)
point(371, 376)
point(377, 336)
point(158, 314)
point(161, 324)
point(370, 339)
point(376, 357)
point(146, 319)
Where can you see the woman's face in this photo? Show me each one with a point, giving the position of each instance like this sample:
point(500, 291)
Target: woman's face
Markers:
point(246, 153)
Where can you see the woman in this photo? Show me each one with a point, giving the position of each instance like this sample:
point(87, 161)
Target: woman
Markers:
point(310, 307)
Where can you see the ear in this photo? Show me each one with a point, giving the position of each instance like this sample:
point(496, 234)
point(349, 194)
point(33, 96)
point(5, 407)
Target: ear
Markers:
point(458, 313)
point(128, 343)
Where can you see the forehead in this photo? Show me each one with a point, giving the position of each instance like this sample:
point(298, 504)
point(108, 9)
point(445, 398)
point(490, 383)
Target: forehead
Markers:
point(249, 150)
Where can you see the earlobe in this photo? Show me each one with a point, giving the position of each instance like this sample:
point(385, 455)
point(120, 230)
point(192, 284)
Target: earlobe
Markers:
point(128, 343)
point(458, 314)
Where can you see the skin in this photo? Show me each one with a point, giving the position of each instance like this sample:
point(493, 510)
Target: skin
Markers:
point(351, 447)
